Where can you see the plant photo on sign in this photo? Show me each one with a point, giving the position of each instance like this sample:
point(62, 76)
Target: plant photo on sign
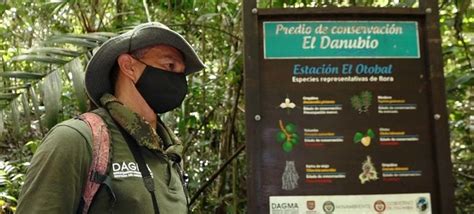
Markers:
point(364, 138)
point(290, 176)
point(362, 101)
point(288, 105)
point(369, 173)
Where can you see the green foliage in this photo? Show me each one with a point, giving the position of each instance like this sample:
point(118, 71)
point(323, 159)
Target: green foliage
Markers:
point(457, 31)
point(356, 103)
point(362, 101)
point(52, 94)
point(39, 58)
point(12, 174)
point(45, 45)
point(370, 133)
point(358, 137)
point(366, 98)
point(21, 75)
point(77, 71)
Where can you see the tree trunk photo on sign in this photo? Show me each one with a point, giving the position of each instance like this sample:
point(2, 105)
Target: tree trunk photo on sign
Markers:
point(290, 176)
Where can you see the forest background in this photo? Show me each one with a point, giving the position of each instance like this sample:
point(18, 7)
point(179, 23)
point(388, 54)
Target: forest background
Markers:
point(45, 45)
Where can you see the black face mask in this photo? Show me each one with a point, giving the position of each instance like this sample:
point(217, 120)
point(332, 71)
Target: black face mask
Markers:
point(162, 90)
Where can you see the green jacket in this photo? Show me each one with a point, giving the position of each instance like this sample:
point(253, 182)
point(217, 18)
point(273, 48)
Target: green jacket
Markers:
point(58, 172)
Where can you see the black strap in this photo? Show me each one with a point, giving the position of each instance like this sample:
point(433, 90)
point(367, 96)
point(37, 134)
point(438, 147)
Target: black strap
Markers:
point(137, 155)
point(80, 208)
point(103, 180)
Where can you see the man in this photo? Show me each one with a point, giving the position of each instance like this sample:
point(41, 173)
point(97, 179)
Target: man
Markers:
point(132, 78)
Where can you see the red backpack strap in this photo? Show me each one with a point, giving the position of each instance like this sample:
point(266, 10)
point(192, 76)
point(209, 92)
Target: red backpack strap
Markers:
point(97, 174)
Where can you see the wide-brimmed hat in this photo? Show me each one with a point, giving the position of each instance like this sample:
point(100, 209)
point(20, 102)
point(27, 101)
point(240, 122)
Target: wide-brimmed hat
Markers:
point(97, 78)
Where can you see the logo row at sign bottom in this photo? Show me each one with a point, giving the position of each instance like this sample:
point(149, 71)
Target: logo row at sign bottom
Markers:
point(410, 203)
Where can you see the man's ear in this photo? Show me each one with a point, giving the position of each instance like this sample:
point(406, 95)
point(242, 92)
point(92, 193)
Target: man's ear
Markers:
point(126, 65)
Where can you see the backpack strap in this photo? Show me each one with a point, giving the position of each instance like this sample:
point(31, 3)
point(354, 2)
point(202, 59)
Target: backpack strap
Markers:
point(97, 174)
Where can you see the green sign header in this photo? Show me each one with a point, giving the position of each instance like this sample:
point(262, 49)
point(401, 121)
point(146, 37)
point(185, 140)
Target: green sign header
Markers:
point(340, 39)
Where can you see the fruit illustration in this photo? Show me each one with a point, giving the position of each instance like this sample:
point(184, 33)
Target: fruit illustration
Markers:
point(288, 136)
point(365, 139)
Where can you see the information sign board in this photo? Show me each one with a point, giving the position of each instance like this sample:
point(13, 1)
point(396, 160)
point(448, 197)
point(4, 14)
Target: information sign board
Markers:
point(345, 117)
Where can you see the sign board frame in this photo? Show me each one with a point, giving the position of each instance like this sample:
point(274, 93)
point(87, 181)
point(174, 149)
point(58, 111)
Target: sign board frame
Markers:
point(427, 13)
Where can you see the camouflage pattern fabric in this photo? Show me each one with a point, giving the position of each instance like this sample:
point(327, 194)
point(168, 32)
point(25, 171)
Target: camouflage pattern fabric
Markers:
point(162, 139)
point(176, 147)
